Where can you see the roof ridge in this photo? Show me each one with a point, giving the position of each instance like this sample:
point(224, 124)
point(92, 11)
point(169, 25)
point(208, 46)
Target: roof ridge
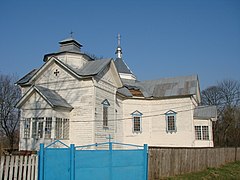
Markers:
point(27, 77)
point(171, 78)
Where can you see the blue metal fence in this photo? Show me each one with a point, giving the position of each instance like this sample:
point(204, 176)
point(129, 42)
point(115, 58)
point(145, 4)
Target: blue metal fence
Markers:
point(71, 163)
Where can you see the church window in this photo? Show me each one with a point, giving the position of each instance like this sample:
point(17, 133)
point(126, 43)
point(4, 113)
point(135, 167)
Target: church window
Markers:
point(137, 121)
point(65, 128)
point(62, 128)
point(105, 104)
point(34, 129)
point(27, 128)
point(201, 133)
point(205, 132)
point(48, 127)
point(198, 134)
point(40, 129)
point(171, 121)
point(37, 127)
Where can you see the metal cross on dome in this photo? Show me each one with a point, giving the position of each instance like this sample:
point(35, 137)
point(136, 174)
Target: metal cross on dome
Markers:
point(119, 39)
point(56, 72)
point(71, 34)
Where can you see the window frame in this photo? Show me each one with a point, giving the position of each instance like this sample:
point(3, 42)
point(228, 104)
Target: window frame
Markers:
point(136, 115)
point(27, 128)
point(37, 133)
point(48, 127)
point(105, 109)
point(168, 115)
point(62, 128)
point(198, 132)
point(204, 133)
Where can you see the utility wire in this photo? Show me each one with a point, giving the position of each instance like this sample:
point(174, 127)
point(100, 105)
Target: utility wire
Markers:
point(144, 116)
point(122, 119)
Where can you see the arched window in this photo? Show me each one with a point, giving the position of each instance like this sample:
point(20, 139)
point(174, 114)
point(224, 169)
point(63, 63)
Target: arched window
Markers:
point(105, 104)
point(137, 121)
point(171, 121)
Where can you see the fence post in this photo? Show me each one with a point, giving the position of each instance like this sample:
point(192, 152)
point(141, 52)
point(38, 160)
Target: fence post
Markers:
point(110, 164)
point(72, 162)
point(41, 162)
point(145, 161)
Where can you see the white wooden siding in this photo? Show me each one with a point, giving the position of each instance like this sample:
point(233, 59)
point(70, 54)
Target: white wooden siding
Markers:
point(204, 143)
point(154, 122)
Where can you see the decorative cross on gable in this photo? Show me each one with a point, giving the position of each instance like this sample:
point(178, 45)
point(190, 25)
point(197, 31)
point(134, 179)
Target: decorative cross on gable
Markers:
point(56, 72)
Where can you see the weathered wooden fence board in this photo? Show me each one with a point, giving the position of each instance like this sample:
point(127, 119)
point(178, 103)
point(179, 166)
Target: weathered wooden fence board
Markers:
point(6, 168)
point(165, 162)
point(16, 167)
point(1, 166)
point(24, 167)
point(21, 168)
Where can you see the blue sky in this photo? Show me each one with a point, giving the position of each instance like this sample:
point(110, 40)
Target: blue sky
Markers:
point(160, 38)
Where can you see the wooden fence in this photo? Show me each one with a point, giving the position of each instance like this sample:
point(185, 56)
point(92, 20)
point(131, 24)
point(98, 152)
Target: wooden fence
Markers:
point(162, 162)
point(165, 162)
point(19, 167)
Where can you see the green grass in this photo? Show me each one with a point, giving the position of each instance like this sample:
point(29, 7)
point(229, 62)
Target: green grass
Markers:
point(228, 171)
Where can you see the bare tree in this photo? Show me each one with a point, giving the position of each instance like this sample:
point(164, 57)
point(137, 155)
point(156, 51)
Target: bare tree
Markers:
point(230, 91)
point(211, 96)
point(9, 115)
point(226, 97)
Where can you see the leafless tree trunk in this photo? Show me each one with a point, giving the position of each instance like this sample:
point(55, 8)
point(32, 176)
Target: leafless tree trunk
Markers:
point(9, 115)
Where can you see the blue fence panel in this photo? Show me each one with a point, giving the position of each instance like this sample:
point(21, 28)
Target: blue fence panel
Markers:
point(128, 164)
point(69, 163)
point(56, 163)
point(92, 164)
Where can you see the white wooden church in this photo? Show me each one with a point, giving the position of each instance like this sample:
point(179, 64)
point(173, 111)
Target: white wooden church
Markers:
point(80, 100)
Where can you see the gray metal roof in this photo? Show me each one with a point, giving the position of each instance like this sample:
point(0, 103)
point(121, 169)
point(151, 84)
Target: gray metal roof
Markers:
point(52, 97)
point(205, 112)
point(122, 66)
point(46, 56)
point(177, 86)
point(93, 67)
point(70, 39)
point(124, 91)
point(166, 87)
point(27, 77)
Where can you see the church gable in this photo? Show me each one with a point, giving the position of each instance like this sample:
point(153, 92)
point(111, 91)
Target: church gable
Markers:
point(35, 101)
point(53, 72)
point(39, 97)
point(110, 75)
